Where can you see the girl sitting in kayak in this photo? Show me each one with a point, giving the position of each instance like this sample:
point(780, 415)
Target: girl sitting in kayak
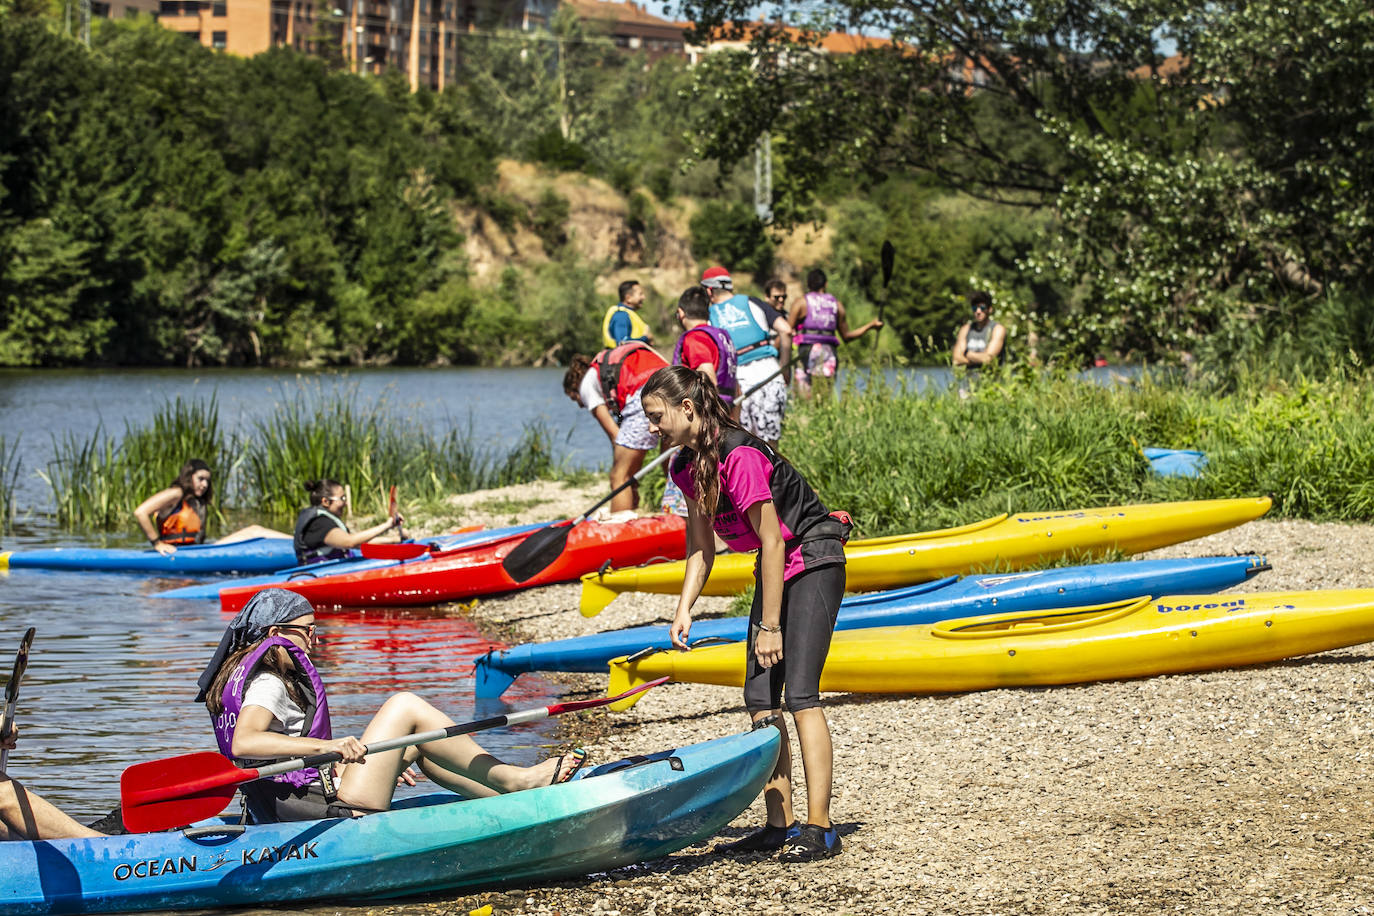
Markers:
point(267, 700)
point(320, 531)
point(739, 487)
point(176, 516)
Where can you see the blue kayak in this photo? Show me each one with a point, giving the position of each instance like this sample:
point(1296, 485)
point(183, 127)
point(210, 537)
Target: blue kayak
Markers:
point(210, 590)
point(943, 599)
point(616, 814)
point(255, 555)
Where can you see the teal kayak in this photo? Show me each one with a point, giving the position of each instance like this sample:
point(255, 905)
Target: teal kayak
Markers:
point(612, 815)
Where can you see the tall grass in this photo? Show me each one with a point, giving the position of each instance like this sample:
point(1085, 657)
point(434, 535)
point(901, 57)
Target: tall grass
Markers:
point(370, 447)
point(97, 482)
point(9, 478)
point(907, 461)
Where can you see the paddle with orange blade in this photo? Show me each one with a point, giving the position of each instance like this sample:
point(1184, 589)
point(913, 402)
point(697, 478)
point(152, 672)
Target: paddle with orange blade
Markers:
point(175, 791)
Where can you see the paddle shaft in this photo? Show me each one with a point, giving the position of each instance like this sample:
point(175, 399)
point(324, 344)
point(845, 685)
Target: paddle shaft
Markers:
point(21, 663)
point(629, 483)
point(391, 510)
point(888, 257)
point(231, 775)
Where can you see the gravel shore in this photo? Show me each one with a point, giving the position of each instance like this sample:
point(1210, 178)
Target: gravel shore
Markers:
point(1226, 792)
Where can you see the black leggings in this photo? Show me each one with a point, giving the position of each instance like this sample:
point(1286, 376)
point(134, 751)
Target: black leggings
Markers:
point(810, 603)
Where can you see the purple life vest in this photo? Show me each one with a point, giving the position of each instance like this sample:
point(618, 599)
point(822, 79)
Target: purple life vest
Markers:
point(726, 383)
point(822, 317)
point(232, 700)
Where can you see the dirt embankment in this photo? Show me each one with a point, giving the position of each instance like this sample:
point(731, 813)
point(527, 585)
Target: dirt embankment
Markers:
point(602, 233)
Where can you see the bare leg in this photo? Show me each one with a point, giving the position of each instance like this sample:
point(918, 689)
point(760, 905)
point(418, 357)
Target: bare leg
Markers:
point(813, 734)
point(777, 792)
point(25, 816)
point(252, 531)
point(457, 763)
point(625, 463)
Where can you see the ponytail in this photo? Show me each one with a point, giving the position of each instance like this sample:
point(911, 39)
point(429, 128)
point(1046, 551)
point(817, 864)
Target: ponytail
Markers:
point(675, 384)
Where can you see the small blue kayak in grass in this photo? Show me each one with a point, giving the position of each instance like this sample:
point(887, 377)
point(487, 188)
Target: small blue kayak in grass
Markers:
point(210, 590)
point(944, 599)
point(255, 555)
point(615, 814)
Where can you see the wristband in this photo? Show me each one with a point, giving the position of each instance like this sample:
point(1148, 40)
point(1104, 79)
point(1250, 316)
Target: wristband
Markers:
point(767, 629)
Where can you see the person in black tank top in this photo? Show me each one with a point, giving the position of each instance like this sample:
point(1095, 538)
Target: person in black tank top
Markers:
point(739, 488)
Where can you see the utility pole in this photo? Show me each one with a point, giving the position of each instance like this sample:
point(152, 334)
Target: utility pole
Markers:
point(763, 178)
point(86, 22)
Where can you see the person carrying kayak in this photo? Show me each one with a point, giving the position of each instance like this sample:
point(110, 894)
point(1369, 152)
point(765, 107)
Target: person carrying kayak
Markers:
point(740, 489)
point(268, 701)
point(819, 324)
point(321, 533)
point(176, 516)
point(608, 384)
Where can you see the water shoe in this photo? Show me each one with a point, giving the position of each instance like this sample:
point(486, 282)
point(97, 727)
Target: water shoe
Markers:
point(766, 839)
point(812, 842)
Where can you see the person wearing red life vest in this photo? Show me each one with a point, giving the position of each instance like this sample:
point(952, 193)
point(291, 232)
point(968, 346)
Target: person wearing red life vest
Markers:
point(608, 384)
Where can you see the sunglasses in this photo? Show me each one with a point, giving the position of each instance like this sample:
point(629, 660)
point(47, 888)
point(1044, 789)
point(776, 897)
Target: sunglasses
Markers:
point(780, 297)
point(308, 628)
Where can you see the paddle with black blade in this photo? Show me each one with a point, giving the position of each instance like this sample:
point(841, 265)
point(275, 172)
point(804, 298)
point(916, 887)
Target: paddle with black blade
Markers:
point(21, 662)
point(889, 257)
point(175, 791)
point(537, 551)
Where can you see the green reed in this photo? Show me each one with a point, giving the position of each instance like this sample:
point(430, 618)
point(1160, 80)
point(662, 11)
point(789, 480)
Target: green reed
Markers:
point(907, 461)
point(9, 478)
point(370, 447)
point(98, 481)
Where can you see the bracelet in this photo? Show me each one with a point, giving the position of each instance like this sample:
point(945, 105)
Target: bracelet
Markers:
point(767, 629)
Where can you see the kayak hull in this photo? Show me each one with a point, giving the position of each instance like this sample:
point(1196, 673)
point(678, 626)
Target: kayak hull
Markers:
point(940, 600)
point(1140, 638)
point(1007, 542)
point(609, 818)
point(255, 555)
point(471, 573)
point(466, 540)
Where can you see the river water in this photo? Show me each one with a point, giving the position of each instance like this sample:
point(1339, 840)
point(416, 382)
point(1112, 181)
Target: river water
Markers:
point(111, 680)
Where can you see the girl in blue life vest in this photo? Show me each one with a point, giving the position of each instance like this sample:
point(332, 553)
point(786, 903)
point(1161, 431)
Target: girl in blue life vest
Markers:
point(738, 487)
point(267, 701)
point(176, 516)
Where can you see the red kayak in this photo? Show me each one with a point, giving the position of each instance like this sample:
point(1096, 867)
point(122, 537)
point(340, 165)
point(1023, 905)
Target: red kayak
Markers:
point(478, 571)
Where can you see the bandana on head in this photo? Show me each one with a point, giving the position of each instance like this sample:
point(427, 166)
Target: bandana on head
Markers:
point(266, 609)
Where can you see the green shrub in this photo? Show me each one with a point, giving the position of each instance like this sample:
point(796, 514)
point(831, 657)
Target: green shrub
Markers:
point(732, 235)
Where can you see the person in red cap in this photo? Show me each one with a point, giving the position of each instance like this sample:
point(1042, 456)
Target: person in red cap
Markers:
point(763, 341)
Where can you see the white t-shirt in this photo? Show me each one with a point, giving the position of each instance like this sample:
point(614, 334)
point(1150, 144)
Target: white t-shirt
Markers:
point(590, 390)
point(268, 691)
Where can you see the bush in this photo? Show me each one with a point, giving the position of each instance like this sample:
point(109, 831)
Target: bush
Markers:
point(732, 235)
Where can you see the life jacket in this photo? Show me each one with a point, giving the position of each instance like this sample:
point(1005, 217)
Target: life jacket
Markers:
point(183, 525)
point(316, 713)
point(804, 520)
point(727, 386)
point(638, 329)
point(623, 370)
point(306, 554)
point(821, 320)
point(736, 316)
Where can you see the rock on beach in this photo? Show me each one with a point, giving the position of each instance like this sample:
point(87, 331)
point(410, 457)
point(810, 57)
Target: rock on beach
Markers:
point(1230, 792)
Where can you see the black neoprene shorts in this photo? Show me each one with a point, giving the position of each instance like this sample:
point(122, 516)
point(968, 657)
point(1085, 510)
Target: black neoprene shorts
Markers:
point(810, 603)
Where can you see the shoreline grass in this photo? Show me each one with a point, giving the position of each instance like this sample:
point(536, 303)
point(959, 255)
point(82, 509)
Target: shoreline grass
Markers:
point(9, 479)
point(1048, 441)
point(260, 474)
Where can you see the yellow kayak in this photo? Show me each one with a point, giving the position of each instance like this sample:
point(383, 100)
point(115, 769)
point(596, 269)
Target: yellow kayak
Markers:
point(1125, 639)
point(1003, 542)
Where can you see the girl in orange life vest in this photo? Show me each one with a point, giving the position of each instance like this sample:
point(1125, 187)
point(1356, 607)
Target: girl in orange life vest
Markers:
point(617, 408)
point(177, 514)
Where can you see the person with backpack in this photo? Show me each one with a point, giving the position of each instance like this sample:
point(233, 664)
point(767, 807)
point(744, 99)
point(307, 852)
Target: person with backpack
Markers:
point(608, 384)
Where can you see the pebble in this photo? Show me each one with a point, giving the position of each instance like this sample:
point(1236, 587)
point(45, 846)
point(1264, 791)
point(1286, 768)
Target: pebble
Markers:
point(1227, 792)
